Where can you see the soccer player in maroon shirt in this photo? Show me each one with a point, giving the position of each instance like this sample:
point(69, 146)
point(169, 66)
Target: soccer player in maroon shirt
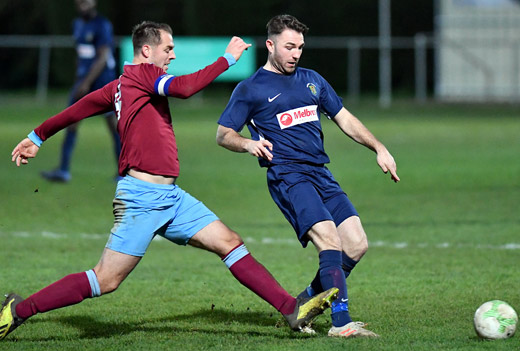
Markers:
point(147, 200)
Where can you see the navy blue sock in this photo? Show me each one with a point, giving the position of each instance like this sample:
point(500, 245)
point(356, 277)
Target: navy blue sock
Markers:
point(67, 149)
point(315, 286)
point(332, 275)
point(348, 264)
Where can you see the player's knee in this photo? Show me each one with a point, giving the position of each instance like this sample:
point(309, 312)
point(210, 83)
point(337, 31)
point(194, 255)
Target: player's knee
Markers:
point(232, 239)
point(363, 247)
point(326, 241)
point(228, 242)
point(108, 286)
point(358, 250)
point(324, 236)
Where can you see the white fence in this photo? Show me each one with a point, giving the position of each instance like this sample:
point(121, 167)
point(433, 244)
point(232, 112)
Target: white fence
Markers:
point(464, 70)
point(353, 46)
point(478, 50)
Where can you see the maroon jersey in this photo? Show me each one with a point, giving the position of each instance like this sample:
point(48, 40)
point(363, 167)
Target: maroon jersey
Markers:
point(139, 99)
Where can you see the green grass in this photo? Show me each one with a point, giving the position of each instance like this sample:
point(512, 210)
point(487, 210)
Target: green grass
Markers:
point(443, 241)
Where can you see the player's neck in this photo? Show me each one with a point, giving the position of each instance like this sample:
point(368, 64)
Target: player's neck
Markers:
point(89, 15)
point(270, 68)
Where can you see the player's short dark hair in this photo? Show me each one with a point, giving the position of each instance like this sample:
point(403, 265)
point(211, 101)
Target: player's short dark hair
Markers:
point(278, 24)
point(148, 33)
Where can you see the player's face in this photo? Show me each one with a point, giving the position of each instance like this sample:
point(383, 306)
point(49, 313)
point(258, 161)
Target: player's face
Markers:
point(85, 7)
point(285, 51)
point(162, 54)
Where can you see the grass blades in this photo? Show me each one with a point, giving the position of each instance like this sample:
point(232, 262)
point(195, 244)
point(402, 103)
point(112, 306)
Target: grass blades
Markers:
point(443, 241)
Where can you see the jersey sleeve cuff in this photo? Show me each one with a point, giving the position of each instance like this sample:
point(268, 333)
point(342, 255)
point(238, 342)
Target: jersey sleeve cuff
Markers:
point(35, 138)
point(230, 59)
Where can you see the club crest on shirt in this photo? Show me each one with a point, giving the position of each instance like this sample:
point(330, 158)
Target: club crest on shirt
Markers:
point(312, 88)
point(298, 116)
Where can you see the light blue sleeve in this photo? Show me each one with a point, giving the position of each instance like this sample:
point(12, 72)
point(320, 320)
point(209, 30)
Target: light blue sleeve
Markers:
point(230, 59)
point(35, 138)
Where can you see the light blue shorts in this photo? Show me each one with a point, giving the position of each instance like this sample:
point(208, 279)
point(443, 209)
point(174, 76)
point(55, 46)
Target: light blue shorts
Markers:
point(143, 210)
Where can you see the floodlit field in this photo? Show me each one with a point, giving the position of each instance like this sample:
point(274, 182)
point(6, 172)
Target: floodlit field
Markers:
point(443, 241)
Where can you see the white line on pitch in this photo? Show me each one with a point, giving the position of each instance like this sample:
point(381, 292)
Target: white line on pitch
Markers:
point(285, 241)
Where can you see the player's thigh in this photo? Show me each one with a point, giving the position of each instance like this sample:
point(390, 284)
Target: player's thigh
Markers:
point(354, 240)
point(324, 236)
point(140, 210)
point(112, 268)
point(301, 205)
point(190, 217)
point(216, 237)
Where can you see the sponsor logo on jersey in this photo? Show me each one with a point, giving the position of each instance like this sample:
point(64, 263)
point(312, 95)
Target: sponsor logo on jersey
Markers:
point(298, 116)
point(313, 89)
point(271, 99)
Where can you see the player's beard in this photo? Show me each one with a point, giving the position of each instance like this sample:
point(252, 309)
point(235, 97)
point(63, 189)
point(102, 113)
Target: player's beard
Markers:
point(278, 65)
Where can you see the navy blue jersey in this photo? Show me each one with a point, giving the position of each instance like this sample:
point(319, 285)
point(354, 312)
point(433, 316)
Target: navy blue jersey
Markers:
point(89, 36)
point(284, 109)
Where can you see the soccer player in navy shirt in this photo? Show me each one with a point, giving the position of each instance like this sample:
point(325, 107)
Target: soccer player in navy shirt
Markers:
point(95, 67)
point(147, 200)
point(281, 105)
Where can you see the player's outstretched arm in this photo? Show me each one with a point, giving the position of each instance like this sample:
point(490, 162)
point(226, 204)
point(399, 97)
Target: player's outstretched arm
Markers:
point(189, 84)
point(353, 127)
point(23, 151)
point(231, 140)
point(236, 47)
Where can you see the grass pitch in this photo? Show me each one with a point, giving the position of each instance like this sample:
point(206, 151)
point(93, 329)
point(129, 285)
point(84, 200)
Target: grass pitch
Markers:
point(443, 241)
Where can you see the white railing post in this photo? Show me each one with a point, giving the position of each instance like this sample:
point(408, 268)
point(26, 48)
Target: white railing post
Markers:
point(44, 62)
point(420, 67)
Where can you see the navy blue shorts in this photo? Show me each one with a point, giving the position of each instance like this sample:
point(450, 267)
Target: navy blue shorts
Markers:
point(308, 194)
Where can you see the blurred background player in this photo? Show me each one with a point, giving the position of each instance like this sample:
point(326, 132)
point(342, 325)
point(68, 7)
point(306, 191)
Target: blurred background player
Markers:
point(281, 105)
point(93, 35)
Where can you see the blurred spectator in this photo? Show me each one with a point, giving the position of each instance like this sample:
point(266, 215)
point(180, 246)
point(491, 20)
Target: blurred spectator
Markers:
point(93, 35)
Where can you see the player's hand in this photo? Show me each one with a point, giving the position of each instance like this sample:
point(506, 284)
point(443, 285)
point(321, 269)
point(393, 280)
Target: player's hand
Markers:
point(387, 164)
point(23, 151)
point(236, 47)
point(260, 148)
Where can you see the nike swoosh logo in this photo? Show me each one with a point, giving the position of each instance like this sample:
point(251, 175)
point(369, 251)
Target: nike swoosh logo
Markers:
point(274, 97)
point(344, 300)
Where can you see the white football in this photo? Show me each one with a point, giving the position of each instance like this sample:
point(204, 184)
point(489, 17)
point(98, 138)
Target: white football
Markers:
point(495, 320)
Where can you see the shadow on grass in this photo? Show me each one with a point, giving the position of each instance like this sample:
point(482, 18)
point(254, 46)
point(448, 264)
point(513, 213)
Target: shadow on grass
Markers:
point(216, 322)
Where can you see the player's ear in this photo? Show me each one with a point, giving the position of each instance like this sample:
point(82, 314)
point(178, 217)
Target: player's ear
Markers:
point(146, 50)
point(269, 45)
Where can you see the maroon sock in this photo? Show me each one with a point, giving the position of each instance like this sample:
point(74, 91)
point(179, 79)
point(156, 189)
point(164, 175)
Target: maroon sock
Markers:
point(256, 278)
point(67, 291)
